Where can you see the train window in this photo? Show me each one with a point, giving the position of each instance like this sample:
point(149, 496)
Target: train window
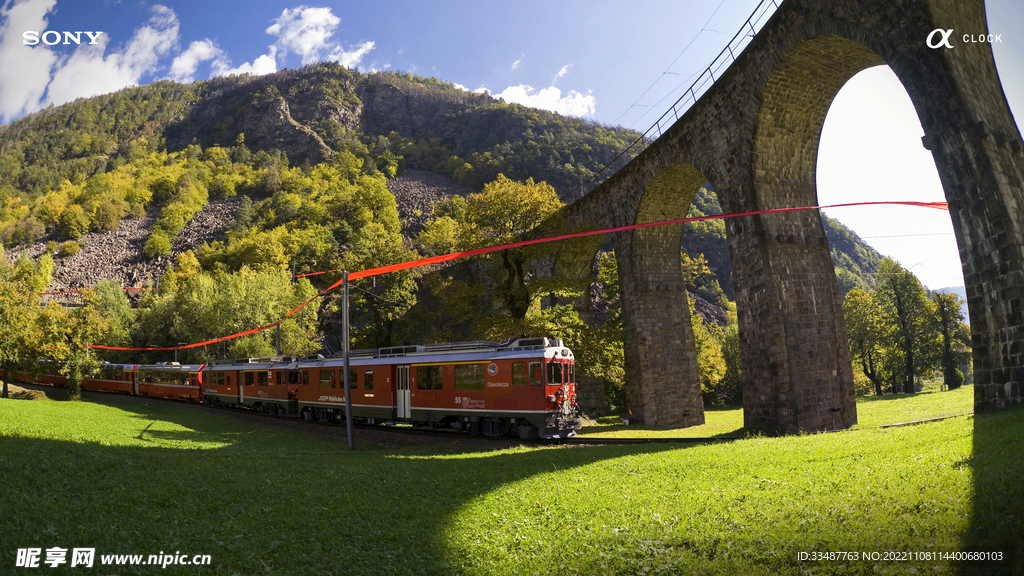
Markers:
point(572, 373)
point(261, 378)
point(554, 373)
point(250, 378)
point(304, 381)
point(535, 374)
point(428, 378)
point(517, 374)
point(368, 379)
point(327, 378)
point(353, 379)
point(469, 376)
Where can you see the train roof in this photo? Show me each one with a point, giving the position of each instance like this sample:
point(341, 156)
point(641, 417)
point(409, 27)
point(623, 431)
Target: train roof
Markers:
point(420, 354)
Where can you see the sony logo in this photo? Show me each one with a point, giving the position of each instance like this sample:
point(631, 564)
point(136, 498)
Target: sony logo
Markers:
point(51, 37)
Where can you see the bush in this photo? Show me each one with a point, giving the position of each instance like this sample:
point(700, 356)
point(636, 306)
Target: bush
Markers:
point(51, 247)
point(73, 223)
point(69, 249)
point(159, 244)
point(954, 379)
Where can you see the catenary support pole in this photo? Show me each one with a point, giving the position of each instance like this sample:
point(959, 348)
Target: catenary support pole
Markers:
point(344, 340)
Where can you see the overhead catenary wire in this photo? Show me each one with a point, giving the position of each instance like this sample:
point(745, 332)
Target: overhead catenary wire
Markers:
point(669, 67)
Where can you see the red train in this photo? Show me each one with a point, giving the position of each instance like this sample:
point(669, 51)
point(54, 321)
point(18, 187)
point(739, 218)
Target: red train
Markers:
point(524, 388)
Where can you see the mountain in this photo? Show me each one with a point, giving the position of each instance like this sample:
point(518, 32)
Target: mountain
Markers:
point(167, 161)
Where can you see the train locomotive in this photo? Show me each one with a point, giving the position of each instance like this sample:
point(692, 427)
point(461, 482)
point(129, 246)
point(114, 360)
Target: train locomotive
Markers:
point(522, 388)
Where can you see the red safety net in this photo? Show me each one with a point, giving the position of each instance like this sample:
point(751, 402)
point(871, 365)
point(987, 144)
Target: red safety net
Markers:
point(478, 251)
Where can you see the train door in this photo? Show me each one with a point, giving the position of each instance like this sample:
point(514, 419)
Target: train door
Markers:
point(402, 385)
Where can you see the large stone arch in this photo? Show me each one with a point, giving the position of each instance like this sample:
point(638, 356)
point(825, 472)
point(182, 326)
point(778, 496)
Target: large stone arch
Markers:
point(662, 375)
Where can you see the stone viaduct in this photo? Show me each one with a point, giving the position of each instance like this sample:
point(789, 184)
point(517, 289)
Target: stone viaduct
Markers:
point(754, 136)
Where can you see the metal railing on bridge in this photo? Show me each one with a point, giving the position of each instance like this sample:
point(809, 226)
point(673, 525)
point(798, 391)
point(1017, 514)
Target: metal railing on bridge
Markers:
point(707, 78)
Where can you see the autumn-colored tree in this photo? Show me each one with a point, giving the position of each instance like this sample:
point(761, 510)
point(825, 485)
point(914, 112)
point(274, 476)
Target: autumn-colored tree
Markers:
point(865, 332)
point(505, 211)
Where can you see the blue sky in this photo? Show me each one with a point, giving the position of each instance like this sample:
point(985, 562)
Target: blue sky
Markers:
point(611, 61)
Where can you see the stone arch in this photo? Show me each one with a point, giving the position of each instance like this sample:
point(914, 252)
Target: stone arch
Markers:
point(662, 375)
point(797, 369)
point(759, 124)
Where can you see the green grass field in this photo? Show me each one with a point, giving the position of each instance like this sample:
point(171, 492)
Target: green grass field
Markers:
point(871, 411)
point(126, 476)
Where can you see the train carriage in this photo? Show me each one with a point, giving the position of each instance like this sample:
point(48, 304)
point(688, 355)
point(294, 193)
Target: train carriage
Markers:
point(322, 392)
point(523, 388)
point(112, 378)
point(168, 380)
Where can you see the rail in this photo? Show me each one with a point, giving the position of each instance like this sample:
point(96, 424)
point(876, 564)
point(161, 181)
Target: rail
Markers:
point(764, 10)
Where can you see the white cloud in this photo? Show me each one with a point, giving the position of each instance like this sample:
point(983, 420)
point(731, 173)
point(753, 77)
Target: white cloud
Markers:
point(378, 67)
point(550, 98)
point(265, 64)
point(563, 71)
point(516, 63)
point(480, 90)
point(32, 77)
point(307, 32)
point(304, 31)
point(87, 72)
point(24, 70)
point(184, 67)
point(352, 57)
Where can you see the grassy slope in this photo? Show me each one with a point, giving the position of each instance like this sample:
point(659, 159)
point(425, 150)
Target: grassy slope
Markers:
point(132, 477)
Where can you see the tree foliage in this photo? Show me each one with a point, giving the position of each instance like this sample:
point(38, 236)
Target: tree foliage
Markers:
point(906, 311)
point(898, 333)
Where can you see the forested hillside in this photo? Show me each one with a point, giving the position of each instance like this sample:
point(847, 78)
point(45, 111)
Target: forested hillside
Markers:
point(300, 161)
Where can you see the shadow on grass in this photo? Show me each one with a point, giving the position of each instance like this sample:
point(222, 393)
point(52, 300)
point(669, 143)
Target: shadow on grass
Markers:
point(997, 520)
point(263, 501)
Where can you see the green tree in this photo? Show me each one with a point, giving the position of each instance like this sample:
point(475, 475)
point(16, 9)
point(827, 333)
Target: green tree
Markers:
point(955, 335)
point(707, 341)
point(906, 313)
point(866, 334)
point(195, 306)
point(505, 212)
point(387, 297)
point(19, 309)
